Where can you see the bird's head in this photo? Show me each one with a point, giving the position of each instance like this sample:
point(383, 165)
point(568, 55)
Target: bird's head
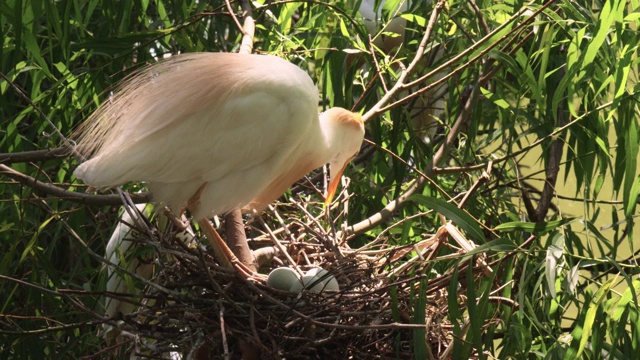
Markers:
point(344, 132)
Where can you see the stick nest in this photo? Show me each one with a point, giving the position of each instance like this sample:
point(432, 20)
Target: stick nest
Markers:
point(195, 308)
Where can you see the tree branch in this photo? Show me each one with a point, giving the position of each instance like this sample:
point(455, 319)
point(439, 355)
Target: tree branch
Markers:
point(87, 199)
point(553, 164)
point(36, 155)
point(459, 123)
point(404, 75)
point(396, 204)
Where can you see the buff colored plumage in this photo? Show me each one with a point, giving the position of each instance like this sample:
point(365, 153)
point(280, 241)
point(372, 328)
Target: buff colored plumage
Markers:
point(235, 129)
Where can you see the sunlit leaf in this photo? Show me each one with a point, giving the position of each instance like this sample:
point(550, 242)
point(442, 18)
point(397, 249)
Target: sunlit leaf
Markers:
point(452, 212)
point(536, 228)
point(552, 262)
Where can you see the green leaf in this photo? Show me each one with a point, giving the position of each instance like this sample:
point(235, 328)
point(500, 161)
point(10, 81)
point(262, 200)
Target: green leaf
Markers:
point(611, 11)
point(627, 296)
point(622, 71)
point(419, 20)
point(34, 239)
point(419, 317)
point(633, 198)
point(285, 18)
point(459, 217)
point(630, 160)
point(498, 245)
point(590, 317)
point(455, 315)
point(534, 228)
point(6, 227)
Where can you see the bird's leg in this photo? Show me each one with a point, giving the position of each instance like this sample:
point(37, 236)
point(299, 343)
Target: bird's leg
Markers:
point(221, 251)
point(236, 239)
point(182, 225)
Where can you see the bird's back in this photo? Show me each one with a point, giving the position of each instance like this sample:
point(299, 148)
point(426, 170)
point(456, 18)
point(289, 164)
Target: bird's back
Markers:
point(213, 118)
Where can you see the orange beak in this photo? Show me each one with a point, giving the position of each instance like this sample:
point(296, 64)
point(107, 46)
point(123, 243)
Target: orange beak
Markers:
point(333, 184)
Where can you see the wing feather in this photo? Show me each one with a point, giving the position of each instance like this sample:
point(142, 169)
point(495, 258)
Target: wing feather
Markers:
point(229, 120)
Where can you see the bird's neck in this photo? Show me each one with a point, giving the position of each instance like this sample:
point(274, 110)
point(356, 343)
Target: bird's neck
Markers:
point(327, 138)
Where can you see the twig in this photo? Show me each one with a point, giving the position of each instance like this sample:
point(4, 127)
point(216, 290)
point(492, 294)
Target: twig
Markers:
point(553, 162)
point(36, 155)
point(461, 120)
point(66, 297)
point(389, 228)
point(248, 28)
point(223, 333)
point(395, 204)
point(461, 55)
point(378, 70)
point(376, 109)
point(278, 245)
point(67, 144)
point(87, 199)
point(483, 22)
point(232, 13)
point(325, 237)
point(484, 177)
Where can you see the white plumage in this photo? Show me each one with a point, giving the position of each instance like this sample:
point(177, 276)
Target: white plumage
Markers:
point(215, 132)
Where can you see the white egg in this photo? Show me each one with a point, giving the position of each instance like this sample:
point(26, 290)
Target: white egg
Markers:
point(297, 286)
point(316, 280)
point(317, 271)
point(283, 278)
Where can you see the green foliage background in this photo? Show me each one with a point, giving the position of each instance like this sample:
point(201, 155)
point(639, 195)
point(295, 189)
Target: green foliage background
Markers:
point(571, 74)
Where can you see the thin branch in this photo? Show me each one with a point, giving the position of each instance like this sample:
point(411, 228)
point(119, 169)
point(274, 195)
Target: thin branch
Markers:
point(376, 109)
point(484, 177)
point(67, 143)
point(444, 66)
point(87, 199)
point(553, 162)
point(36, 155)
point(458, 125)
point(248, 28)
point(419, 183)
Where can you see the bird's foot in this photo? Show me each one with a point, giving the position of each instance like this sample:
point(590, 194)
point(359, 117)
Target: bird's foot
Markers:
point(179, 221)
point(223, 253)
point(246, 272)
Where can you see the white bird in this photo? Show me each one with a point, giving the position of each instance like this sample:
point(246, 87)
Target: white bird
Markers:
point(427, 110)
point(118, 252)
point(392, 33)
point(121, 253)
point(214, 132)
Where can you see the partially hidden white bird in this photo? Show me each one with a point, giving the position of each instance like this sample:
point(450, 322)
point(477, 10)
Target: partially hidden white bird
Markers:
point(123, 252)
point(214, 132)
point(392, 33)
point(118, 253)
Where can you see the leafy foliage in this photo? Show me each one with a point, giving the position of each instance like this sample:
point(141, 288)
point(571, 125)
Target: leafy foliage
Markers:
point(518, 100)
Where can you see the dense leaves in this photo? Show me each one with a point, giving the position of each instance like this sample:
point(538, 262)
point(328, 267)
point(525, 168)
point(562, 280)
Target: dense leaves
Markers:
point(527, 140)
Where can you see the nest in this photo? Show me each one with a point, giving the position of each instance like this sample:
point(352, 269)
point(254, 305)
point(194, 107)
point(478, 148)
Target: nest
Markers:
point(197, 309)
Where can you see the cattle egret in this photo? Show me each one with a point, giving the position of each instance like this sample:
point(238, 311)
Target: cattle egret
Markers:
point(214, 132)
point(392, 33)
point(427, 110)
point(120, 251)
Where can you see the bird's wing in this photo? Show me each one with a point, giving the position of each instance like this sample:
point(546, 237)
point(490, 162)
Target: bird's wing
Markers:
point(199, 118)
